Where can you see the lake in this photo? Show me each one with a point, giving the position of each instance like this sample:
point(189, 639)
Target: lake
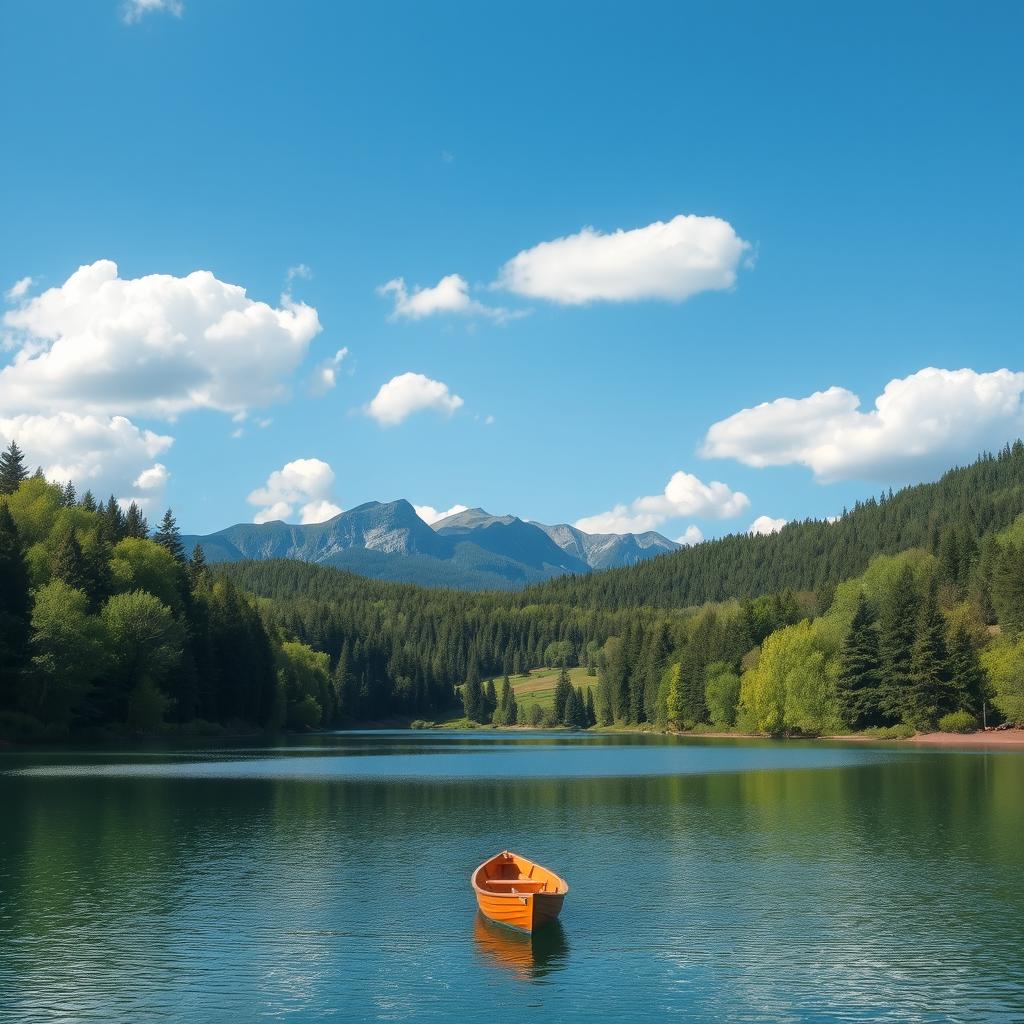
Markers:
point(326, 878)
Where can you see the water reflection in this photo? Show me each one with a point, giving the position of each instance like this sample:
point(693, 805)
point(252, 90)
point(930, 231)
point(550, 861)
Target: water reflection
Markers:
point(529, 957)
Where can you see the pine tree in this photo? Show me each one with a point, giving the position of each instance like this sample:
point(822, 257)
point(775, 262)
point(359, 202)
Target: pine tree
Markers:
point(15, 606)
point(135, 525)
point(857, 687)
point(931, 693)
point(88, 502)
point(967, 677)
point(67, 562)
point(12, 468)
point(591, 713)
point(490, 702)
point(507, 711)
point(198, 571)
point(897, 631)
point(575, 715)
point(69, 497)
point(1008, 588)
point(562, 690)
point(169, 536)
point(113, 519)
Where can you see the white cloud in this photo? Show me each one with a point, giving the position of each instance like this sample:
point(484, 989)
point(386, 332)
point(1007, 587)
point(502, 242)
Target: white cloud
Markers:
point(153, 479)
point(134, 10)
point(408, 393)
point(671, 261)
point(299, 270)
point(763, 525)
point(449, 295)
point(325, 376)
point(104, 454)
point(303, 482)
point(319, 511)
point(18, 290)
point(156, 345)
point(684, 495)
point(690, 536)
point(431, 515)
point(919, 426)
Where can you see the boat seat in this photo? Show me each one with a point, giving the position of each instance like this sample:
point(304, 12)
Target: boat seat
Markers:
point(519, 883)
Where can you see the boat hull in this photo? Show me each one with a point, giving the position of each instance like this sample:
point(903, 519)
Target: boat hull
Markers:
point(524, 911)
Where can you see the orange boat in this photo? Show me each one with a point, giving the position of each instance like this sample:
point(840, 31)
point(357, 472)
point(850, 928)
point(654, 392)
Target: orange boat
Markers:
point(516, 892)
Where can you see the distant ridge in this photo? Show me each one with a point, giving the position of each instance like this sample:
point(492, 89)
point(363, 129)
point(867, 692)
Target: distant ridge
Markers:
point(471, 550)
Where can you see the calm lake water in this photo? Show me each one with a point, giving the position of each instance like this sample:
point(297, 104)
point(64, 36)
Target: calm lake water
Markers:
point(327, 879)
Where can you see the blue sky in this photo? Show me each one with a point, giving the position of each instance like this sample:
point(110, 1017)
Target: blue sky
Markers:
point(869, 156)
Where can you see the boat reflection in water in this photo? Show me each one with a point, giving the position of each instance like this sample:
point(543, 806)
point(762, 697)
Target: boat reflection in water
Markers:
point(528, 956)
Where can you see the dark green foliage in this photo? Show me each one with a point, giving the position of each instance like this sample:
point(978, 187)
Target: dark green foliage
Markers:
point(897, 633)
point(88, 502)
point(135, 524)
point(575, 710)
point(931, 693)
point(12, 468)
point(563, 688)
point(858, 687)
point(15, 607)
point(589, 706)
point(490, 701)
point(169, 536)
point(508, 710)
point(1007, 588)
point(68, 562)
point(967, 678)
point(198, 572)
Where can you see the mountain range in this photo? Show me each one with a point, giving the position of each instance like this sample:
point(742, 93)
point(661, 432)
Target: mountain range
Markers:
point(470, 550)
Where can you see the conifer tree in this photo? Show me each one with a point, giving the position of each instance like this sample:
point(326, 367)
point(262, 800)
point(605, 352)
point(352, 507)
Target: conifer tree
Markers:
point(69, 497)
point(857, 687)
point(562, 690)
point(169, 536)
point(1008, 588)
point(575, 715)
point(88, 502)
point(967, 677)
point(12, 468)
point(897, 632)
point(931, 693)
point(490, 701)
point(68, 563)
point(135, 525)
point(198, 571)
point(15, 606)
point(113, 519)
point(591, 713)
point(507, 711)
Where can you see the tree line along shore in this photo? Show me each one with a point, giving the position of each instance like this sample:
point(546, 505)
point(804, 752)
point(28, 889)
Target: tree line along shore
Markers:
point(109, 627)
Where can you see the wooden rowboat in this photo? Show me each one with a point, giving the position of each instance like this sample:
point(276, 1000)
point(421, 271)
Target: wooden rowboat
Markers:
point(516, 892)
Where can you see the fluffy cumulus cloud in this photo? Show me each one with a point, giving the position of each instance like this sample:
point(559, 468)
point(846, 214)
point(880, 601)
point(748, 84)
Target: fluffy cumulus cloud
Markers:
point(325, 375)
point(690, 536)
point(431, 515)
point(156, 345)
point(918, 426)
point(134, 10)
point(304, 484)
point(409, 393)
point(449, 295)
point(764, 525)
point(670, 261)
point(104, 454)
point(684, 495)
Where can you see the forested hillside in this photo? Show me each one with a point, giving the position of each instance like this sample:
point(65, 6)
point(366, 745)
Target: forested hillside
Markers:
point(956, 511)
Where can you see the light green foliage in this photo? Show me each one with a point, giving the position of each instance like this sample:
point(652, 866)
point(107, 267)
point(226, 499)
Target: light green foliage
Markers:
point(144, 640)
point(1004, 663)
point(958, 721)
point(878, 582)
point(67, 652)
point(672, 688)
point(145, 565)
point(559, 654)
point(35, 506)
point(721, 694)
point(793, 688)
point(305, 675)
point(1014, 533)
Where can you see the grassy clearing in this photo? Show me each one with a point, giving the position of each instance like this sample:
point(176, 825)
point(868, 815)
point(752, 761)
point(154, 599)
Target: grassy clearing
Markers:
point(539, 686)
